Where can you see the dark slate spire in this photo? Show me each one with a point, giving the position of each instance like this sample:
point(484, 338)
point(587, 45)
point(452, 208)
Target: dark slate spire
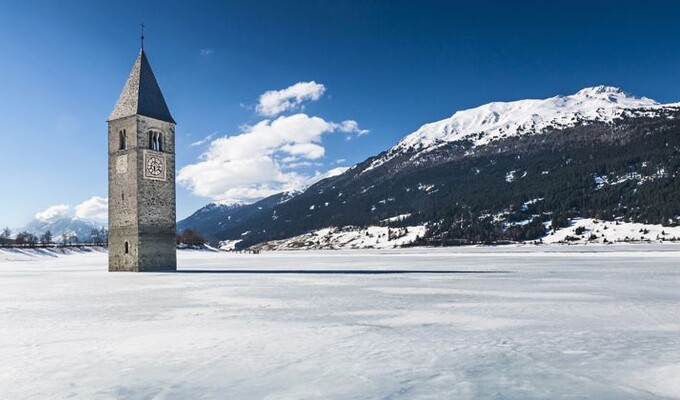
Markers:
point(141, 94)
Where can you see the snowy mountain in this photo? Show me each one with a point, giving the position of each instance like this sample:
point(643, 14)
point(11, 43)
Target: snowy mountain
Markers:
point(60, 227)
point(496, 173)
point(497, 120)
point(501, 120)
point(218, 207)
point(216, 218)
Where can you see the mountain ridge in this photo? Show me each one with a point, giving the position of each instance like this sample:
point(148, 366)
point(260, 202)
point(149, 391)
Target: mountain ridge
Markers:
point(63, 227)
point(469, 186)
point(500, 120)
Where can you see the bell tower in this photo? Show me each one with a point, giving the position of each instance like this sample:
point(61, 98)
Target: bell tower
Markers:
point(142, 209)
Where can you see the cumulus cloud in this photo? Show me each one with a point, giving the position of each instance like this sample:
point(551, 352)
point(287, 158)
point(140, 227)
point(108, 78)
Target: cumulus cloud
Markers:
point(93, 209)
point(53, 213)
point(270, 156)
point(311, 151)
point(351, 126)
point(257, 162)
point(274, 102)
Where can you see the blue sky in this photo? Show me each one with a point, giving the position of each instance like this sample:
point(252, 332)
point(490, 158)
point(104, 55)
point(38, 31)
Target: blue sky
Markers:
point(390, 66)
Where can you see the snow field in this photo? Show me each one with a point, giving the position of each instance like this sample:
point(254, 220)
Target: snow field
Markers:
point(544, 322)
point(598, 231)
point(370, 237)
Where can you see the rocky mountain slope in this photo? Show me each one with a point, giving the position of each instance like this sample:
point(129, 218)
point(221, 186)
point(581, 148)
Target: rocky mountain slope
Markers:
point(496, 173)
point(214, 219)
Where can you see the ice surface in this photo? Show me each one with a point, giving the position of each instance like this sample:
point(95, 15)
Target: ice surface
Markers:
point(547, 322)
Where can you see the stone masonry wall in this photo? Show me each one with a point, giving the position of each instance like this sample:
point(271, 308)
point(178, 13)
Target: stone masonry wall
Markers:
point(157, 202)
point(141, 211)
point(122, 197)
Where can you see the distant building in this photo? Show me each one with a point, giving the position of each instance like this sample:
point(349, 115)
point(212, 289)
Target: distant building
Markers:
point(142, 205)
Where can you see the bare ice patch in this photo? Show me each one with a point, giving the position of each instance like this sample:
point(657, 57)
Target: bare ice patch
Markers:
point(489, 293)
point(662, 381)
point(461, 321)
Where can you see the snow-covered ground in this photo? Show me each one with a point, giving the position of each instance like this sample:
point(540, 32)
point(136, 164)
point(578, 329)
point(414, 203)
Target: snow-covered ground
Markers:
point(580, 231)
point(546, 322)
point(349, 237)
point(589, 230)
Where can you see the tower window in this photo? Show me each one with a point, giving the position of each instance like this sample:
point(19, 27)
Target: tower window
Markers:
point(127, 248)
point(155, 141)
point(123, 139)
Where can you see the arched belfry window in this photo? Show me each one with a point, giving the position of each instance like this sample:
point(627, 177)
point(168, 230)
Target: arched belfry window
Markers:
point(127, 248)
point(123, 139)
point(155, 141)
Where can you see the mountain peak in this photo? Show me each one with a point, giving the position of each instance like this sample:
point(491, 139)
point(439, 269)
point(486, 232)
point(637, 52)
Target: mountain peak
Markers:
point(614, 95)
point(601, 89)
point(229, 204)
point(221, 206)
point(499, 120)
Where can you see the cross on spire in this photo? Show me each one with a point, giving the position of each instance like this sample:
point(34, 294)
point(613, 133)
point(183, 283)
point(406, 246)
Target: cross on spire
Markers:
point(142, 26)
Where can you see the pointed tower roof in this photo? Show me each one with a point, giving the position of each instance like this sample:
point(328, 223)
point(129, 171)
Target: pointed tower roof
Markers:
point(141, 94)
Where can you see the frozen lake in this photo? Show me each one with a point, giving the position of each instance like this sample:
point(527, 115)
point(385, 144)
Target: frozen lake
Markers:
point(523, 323)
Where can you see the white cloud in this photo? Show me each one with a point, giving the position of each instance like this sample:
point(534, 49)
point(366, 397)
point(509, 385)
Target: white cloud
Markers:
point(202, 141)
point(274, 102)
point(267, 157)
point(300, 164)
point(53, 213)
point(207, 52)
point(251, 165)
point(310, 151)
point(93, 209)
point(351, 126)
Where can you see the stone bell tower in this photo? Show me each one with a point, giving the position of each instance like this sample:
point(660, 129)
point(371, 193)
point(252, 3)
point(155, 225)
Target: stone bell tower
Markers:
point(142, 176)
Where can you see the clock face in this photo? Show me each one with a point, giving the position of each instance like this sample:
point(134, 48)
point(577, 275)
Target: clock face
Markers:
point(154, 166)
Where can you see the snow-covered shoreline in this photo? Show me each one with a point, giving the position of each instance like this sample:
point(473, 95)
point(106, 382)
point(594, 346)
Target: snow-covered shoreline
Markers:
point(581, 231)
point(583, 235)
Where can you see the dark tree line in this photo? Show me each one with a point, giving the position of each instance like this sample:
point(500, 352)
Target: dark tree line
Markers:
point(190, 237)
point(6, 237)
point(98, 237)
